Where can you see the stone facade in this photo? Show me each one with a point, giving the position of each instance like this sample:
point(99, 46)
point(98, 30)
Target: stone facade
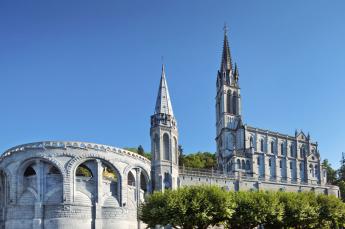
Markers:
point(78, 185)
point(71, 185)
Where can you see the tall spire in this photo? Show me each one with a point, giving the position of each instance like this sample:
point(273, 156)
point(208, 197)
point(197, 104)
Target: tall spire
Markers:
point(226, 63)
point(163, 103)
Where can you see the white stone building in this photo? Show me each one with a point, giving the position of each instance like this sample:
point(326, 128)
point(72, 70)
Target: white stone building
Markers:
point(79, 185)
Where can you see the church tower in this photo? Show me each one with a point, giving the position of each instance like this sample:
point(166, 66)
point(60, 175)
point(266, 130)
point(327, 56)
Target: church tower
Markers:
point(230, 132)
point(164, 141)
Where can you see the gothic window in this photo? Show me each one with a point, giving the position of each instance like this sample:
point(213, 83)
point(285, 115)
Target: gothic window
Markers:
point(156, 147)
point(316, 170)
point(270, 162)
point(258, 160)
point(251, 141)
point(272, 147)
point(311, 170)
point(280, 164)
point(243, 164)
point(238, 163)
point(290, 164)
point(130, 179)
point(282, 148)
point(262, 145)
point(175, 150)
point(143, 182)
point(234, 103)
point(228, 102)
point(300, 166)
point(166, 147)
point(291, 150)
point(302, 152)
point(248, 165)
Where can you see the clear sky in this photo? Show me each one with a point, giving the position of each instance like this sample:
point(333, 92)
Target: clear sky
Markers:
point(89, 70)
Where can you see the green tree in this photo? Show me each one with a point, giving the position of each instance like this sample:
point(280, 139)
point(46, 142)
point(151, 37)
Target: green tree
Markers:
point(140, 150)
point(331, 173)
point(301, 209)
point(332, 212)
point(341, 185)
point(180, 156)
point(256, 208)
point(200, 160)
point(188, 207)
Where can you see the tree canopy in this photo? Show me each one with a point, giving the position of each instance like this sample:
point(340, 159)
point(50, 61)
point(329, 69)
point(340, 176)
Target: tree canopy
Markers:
point(202, 206)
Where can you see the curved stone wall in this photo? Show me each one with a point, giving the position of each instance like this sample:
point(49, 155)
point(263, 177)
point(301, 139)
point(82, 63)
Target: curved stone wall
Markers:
point(71, 185)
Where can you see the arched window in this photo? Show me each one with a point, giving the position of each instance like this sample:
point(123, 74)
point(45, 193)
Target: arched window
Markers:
point(234, 103)
point(311, 170)
point(130, 179)
point(272, 147)
point(251, 141)
point(291, 150)
point(316, 173)
point(247, 165)
point(166, 147)
point(243, 164)
point(228, 102)
point(156, 147)
point(83, 171)
point(29, 172)
point(270, 162)
point(282, 148)
point(53, 170)
point(238, 164)
point(175, 156)
point(301, 150)
point(262, 145)
point(143, 183)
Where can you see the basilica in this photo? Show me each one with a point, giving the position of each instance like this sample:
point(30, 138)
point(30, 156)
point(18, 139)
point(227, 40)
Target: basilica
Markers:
point(72, 185)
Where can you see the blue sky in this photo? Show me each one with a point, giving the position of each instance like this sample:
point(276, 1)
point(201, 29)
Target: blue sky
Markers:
point(89, 70)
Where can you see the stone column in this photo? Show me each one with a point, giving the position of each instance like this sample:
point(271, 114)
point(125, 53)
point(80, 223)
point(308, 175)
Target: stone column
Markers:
point(267, 167)
point(255, 166)
point(37, 222)
point(98, 200)
point(277, 168)
point(298, 171)
point(288, 170)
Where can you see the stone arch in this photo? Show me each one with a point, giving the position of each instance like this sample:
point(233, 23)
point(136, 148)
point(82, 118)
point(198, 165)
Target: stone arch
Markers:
point(143, 171)
point(166, 147)
point(76, 187)
point(25, 183)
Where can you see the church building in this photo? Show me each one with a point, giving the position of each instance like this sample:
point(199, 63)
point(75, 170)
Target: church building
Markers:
point(81, 185)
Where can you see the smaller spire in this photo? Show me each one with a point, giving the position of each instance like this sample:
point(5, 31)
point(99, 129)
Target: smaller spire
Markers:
point(236, 73)
point(163, 103)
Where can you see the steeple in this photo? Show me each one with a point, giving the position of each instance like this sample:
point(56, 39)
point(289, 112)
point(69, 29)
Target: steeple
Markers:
point(164, 141)
point(163, 103)
point(226, 63)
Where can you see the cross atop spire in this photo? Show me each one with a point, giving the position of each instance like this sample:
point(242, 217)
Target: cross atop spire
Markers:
point(163, 103)
point(226, 63)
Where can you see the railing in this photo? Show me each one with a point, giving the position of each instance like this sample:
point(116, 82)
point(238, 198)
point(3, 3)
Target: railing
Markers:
point(243, 176)
point(205, 172)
